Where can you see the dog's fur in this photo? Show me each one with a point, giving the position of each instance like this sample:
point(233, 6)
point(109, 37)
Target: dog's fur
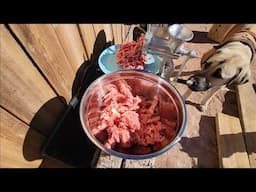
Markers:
point(227, 64)
point(230, 63)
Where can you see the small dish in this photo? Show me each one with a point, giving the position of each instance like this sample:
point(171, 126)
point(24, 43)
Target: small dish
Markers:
point(107, 61)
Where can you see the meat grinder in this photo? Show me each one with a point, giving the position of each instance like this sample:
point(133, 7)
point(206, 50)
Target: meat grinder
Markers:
point(166, 42)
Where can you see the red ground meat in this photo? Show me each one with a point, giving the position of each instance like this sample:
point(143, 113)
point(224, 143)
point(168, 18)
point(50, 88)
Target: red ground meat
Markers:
point(129, 55)
point(126, 121)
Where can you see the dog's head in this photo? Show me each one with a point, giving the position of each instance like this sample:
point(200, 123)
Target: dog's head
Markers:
point(227, 64)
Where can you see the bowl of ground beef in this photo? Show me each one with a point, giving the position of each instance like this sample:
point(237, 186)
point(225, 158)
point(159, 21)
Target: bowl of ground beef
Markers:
point(132, 114)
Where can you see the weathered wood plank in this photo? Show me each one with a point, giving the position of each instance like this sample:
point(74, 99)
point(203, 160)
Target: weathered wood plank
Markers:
point(42, 43)
point(247, 111)
point(12, 134)
point(88, 35)
point(231, 145)
point(71, 42)
point(23, 90)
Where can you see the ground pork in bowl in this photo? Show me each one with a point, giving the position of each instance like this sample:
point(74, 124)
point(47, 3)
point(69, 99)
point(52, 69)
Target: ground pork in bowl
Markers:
point(133, 114)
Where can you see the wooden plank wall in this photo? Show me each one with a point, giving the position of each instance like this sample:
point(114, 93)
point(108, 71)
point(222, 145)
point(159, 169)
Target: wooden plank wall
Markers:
point(70, 40)
point(42, 43)
point(23, 90)
point(39, 62)
point(89, 33)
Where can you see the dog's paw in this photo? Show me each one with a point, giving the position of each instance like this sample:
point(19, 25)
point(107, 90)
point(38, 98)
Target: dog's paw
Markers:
point(243, 76)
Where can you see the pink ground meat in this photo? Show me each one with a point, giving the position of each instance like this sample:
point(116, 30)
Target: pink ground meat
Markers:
point(129, 55)
point(125, 121)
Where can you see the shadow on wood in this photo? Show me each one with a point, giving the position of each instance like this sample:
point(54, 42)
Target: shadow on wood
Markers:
point(230, 104)
point(86, 72)
point(197, 105)
point(41, 126)
point(48, 116)
point(195, 147)
point(239, 147)
point(207, 127)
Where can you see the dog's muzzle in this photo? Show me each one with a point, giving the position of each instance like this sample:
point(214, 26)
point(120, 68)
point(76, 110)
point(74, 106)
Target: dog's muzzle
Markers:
point(196, 83)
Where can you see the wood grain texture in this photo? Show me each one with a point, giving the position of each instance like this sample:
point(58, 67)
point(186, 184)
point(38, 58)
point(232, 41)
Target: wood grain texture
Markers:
point(247, 111)
point(117, 33)
point(218, 32)
point(88, 35)
point(23, 90)
point(231, 145)
point(12, 134)
point(41, 42)
point(71, 42)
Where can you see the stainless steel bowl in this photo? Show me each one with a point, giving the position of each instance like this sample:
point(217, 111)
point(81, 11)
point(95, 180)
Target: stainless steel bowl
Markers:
point(142, 83)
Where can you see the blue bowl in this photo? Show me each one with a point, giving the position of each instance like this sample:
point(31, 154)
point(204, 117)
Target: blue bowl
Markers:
point(107, 61)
